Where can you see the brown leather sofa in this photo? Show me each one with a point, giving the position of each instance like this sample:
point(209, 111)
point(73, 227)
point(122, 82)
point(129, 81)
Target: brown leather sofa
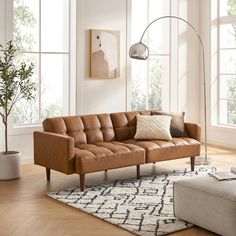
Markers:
point(90, 143)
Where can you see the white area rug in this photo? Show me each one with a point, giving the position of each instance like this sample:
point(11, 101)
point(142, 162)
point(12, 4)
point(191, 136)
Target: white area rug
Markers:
point(144, 206)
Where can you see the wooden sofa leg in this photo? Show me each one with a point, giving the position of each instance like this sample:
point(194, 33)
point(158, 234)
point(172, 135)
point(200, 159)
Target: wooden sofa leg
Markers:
point(138, 171)
point(82, 181)
point(48, 174)
point(192, 163)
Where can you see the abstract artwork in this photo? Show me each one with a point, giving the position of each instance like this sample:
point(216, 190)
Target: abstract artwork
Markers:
point(105, 54)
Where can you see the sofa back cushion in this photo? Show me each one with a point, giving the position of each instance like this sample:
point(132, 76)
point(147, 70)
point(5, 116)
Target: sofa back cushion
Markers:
point(84, 129)
point(55, 125)
point(124, 124)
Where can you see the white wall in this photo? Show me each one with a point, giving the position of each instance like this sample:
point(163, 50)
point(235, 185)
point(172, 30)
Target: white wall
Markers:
point(94, 95)
point(189, 70)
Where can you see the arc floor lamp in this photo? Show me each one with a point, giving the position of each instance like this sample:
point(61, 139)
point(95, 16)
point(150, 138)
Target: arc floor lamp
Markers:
point(140, 51)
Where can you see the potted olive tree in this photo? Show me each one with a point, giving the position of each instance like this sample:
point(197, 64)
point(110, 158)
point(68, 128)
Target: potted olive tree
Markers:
point(15, 84)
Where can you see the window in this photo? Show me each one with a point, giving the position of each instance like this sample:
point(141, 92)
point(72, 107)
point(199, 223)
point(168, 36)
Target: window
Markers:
point(42, 30)
point(227, 62)
point(148, 88)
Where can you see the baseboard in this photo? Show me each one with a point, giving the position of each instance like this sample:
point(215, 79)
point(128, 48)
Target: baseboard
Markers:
point(221, 144)
point(28, 160)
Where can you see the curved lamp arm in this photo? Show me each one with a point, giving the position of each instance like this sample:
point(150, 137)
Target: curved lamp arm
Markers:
point(140, 51)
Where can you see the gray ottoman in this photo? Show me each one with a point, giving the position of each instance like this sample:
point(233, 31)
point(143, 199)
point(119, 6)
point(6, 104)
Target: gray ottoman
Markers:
point(207, 202)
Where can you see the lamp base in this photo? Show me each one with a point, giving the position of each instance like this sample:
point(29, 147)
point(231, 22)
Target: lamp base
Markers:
point(202, 160)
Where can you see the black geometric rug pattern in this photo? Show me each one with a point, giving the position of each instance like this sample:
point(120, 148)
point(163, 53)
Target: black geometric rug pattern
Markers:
point(143, 206)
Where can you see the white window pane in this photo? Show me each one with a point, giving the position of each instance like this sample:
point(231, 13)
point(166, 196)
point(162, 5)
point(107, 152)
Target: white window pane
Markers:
point(26, 24)
point(158, 8)
point(227, 7)
point(228, 87)
point(139, 19)
point(27, 112)
point(55, 26)
point(223, 87)
point(159, 31)
point(54, 73)
point(228, 112)
point(139, 69)
point(158, 70)
point(228, 61)
point(232, 112)
point(159, 37)
point(228, 36)
point(223, 111)
point(139, 73)
point(147, 76)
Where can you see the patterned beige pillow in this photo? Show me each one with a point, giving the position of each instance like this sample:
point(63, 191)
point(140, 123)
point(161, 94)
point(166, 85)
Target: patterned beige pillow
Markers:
point(153, 127)
point(177, 127)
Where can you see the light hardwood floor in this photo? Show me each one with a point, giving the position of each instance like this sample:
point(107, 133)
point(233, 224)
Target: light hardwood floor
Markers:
point(25, 210)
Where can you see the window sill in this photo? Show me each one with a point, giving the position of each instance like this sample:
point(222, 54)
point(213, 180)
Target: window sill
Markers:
point(24, 130)
point(224, 128)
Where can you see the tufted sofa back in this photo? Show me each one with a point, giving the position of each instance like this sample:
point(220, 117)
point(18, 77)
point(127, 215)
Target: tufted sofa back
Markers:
point(124, 123)
point(84, 129)
point(95, 128)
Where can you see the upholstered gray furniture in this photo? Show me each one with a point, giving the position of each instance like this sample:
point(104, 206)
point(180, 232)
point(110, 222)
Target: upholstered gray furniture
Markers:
point(207, 202)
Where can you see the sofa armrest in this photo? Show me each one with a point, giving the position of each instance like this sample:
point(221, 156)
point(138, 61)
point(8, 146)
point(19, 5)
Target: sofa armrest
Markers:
point(54, 151)
point(193, 130)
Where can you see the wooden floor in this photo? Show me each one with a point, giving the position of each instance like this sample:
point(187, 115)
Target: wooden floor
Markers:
point(25, 210)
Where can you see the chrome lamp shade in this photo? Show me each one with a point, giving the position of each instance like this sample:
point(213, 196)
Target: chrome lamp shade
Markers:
point(139, 51)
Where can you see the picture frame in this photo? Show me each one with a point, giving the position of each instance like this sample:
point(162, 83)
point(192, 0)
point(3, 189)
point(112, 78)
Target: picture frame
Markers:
point(105, 54)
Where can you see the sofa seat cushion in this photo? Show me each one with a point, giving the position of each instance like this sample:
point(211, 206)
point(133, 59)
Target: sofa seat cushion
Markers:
point(160, 150)
point(107, 155)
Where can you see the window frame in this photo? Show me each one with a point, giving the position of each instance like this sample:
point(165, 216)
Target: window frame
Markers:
point(166, 82)
point(170, 93)
point(70, 90)
point(222, 20)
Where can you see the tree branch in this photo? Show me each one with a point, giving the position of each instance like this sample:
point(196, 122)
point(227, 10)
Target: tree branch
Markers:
point(14, 100)
point(3, 117)
point(13, 103)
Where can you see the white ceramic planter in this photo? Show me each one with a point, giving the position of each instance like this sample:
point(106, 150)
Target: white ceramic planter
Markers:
point(9, 165)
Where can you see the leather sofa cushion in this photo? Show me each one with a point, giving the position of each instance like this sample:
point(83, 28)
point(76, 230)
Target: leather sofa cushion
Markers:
point(160, 150)
point(55, 125)
point(107, 155)
point(124, 123)
point(84, 129)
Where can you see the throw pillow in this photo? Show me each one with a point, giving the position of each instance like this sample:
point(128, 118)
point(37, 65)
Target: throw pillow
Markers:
point(153, 127)
point(177, 128)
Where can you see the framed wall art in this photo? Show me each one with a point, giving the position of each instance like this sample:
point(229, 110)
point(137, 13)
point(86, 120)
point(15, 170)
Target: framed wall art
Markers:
point(105, 54)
